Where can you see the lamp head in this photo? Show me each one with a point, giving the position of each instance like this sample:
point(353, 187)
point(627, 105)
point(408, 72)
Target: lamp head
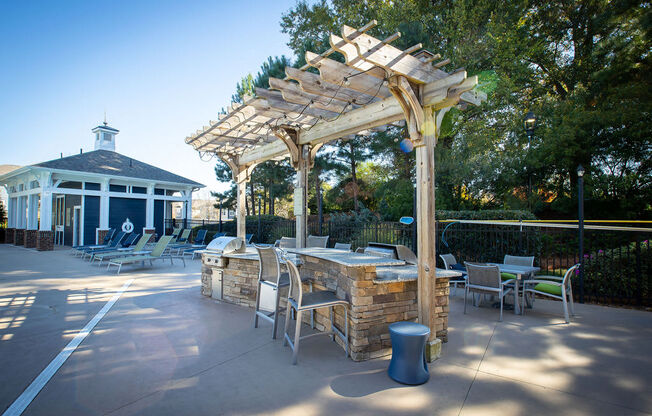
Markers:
point(580, 171)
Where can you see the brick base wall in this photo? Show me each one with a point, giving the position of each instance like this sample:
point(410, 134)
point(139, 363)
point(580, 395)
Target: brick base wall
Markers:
point(31, 237)
point(19, 237)
point(45, 241)
point(100, 236)
point(9, 235)
point(149, 231)
point(374, 305)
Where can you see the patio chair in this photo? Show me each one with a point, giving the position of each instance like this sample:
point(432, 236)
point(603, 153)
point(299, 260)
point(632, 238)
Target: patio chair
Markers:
point(138, 248)
point(248, 238)
point(156, 254)
point(113, 244)
point(287, 242)
point(317, 241)
point(516, 261)
point(342, 246)
point(450, 263)
point(301, 303)
point(486, 279)
point(269, 274)
point(107, 238)
point(359, 250)
point(182, 242)
point(554, 287)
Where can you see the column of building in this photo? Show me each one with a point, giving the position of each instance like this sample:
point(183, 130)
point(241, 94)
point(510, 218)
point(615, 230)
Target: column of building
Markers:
point(45, 240)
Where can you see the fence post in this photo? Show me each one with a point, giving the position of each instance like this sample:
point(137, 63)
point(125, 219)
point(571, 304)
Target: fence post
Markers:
point(639, 273)
point(580, 195)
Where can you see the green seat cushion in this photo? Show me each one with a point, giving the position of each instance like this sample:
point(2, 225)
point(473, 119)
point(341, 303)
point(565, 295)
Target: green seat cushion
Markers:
point(507, 276)
point(132, 259)
point(548, 288)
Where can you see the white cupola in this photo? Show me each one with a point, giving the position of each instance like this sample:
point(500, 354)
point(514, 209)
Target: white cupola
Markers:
point(105, 137)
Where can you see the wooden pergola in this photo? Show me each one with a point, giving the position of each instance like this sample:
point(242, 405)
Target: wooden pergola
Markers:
point(378, 85)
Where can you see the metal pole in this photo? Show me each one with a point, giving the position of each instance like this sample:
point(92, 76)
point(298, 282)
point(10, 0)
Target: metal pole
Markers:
point(220, 229)
point(414, 223)
point(321, 213)
point(580, 196)
point(259, 240)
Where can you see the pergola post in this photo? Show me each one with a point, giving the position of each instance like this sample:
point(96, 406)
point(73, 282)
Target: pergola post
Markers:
point(241, 175)
point(301, 198)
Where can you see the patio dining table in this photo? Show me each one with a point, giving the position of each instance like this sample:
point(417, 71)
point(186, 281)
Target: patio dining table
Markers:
point(520, 272)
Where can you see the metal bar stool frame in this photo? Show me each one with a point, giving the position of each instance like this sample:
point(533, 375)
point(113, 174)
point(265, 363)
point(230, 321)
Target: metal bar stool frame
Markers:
point(272, 278)
point(316, 300)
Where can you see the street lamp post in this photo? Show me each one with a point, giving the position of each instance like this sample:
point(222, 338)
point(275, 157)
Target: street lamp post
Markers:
point(529, 123)
point(580, 225)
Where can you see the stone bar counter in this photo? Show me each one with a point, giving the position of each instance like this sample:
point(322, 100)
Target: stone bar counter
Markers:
point(380, 290)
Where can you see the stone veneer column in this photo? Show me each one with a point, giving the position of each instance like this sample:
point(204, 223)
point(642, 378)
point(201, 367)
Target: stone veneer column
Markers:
point(19, 237)
point(31, 237)
point(45, 241)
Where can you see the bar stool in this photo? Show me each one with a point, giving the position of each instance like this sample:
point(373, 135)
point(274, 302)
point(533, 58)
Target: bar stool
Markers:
point(270, 275)
point(309, 302)
point(408, 364)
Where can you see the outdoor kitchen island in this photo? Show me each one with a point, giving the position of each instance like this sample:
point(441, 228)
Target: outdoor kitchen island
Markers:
point(380, 290)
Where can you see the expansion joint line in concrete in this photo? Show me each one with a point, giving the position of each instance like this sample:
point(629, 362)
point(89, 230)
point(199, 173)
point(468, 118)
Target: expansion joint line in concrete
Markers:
point(477, 370)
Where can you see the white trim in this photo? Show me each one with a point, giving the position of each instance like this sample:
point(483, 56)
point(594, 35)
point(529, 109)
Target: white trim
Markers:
point(76, 212)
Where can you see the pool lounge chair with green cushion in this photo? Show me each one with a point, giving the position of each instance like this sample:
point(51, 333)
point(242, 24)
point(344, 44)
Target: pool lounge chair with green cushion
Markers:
point(156, 254)
point(553, 287)
point(138, 248)
point(182, 241)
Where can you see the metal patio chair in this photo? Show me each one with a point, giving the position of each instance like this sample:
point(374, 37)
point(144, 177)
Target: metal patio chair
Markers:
point(485, 279)
point(269, 274)
point(342, 246)
point(317, 241)
point(287, 242)
point(301, 303)
point(450, 263)
point(554, 287)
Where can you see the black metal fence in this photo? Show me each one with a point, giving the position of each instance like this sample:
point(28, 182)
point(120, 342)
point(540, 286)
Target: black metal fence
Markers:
point(617, 261)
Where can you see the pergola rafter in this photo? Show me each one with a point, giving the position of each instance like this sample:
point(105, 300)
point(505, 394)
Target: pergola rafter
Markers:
point(378, 85)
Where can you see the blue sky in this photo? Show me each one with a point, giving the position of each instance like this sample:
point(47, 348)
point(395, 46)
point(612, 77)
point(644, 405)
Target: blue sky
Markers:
point(160, 69)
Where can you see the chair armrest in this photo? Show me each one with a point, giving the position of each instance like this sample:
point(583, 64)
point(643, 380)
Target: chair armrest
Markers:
point(537, 281)
point(504, 282)
point(544, 277)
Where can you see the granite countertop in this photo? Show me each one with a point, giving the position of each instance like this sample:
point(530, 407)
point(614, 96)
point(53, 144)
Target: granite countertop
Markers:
point(346, 258)
point(406, 273)
point(251, 254)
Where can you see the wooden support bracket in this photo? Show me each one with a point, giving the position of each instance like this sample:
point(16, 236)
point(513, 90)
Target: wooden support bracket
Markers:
point(289, 138)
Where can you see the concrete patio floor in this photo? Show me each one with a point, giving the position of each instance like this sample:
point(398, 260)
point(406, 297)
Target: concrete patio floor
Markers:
point(165, 349)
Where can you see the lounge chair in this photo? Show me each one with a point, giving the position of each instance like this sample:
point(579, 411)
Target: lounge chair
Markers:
point(156, 254)
point(138, 248)
point(127, 242)
point(112, 245)
point(182, 241)
point(198, 244)
point(107, 238)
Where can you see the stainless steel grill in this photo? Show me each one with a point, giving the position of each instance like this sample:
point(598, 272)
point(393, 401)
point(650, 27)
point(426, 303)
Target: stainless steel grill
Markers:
point(392, 251)
point(212, 256)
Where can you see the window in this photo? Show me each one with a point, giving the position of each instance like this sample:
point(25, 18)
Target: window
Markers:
point(107, 136)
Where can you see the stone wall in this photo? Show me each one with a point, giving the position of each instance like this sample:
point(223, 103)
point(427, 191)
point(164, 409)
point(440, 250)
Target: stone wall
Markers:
point(19, 237)
point(31, 237)
point(45, 241)
point(374, 305)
